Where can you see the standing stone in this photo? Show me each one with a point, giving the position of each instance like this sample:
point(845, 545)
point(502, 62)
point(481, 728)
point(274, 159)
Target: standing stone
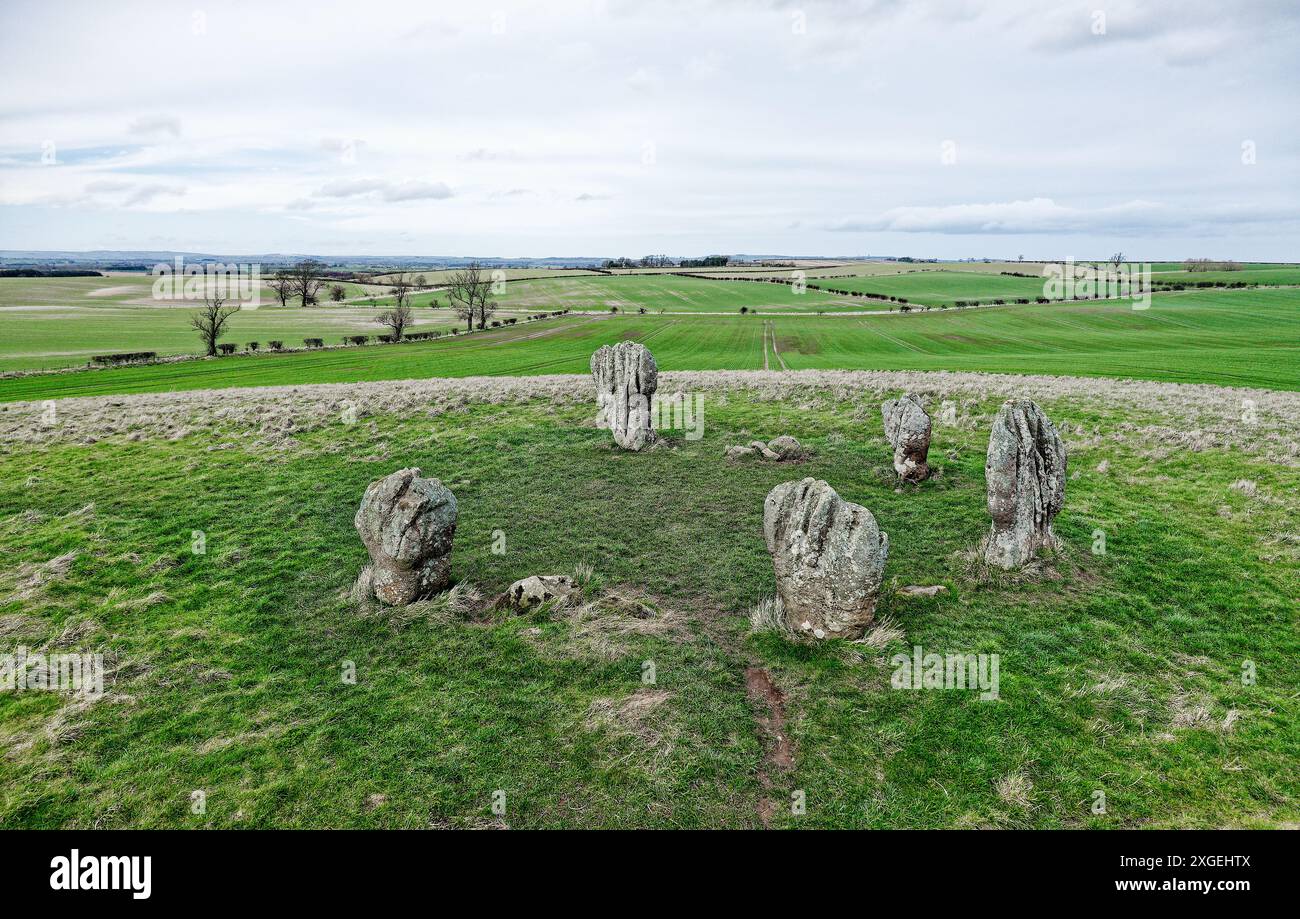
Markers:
point(829, 557)
point(1025, 474)
point(907, 428)
point(407, 524)
point(626, 379)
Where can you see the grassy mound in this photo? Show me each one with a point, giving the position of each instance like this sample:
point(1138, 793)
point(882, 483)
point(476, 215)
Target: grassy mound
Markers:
point(1120, 672)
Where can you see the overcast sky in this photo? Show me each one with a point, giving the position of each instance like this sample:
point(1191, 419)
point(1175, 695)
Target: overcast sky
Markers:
point(901, 127)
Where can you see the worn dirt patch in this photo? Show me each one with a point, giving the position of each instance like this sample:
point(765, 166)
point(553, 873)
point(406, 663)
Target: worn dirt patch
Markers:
point(779, 755)
point(788, 343)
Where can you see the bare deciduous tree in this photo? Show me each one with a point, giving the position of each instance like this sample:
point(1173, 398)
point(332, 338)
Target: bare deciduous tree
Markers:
point(469, 290)
point(1117, 259)
point(397, 319)
point(401, 290)
point(210, 321)
point(306, 280)
point(282, 286)
point(421, 282)
point(338, 292)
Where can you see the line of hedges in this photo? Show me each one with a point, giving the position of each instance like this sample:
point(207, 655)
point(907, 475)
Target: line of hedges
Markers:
point(311, 344)
point(130, 357)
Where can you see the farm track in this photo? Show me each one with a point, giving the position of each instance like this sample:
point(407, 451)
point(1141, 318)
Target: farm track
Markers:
point(769, 331)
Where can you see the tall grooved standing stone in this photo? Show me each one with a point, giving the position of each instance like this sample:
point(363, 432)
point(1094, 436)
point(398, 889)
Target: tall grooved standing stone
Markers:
point(626, 379)
point(407, 524)
point(829, 557)
point(907, 428)
point(1025, 473)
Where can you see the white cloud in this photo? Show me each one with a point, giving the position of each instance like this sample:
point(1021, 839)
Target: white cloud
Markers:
point(415, 191)
point(156, 124)
point(143, 194)
point(502, 140)
point(645, 79)
point(704, 66)
point(1043, 215)
point(408, 190)
point(1037, 215)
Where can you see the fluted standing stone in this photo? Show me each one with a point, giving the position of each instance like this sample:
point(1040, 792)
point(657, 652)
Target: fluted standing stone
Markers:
point(1025, 475)
point(626, 379)
point(829, 556)
point(407, 523)
point(907, 428)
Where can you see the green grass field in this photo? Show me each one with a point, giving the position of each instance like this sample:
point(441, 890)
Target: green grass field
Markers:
point(60, 322)
point(1118, 673)
point(46, 323)
point(665, 293)
point(1273, 275)
point(944, 287)
point(1237, 338)
point(443, 275)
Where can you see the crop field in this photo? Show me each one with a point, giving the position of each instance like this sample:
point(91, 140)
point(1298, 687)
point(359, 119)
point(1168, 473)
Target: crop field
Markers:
point(945, 287)
point(1119, 671)
point(57, 322)
point(54, 322)
point(866, 268)
point(125, 289)
point(1273, 275)
point(666, 294)
point(437, 276)
point(1237, 338)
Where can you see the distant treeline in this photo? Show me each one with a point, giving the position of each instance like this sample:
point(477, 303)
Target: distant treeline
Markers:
point(49, 273)
point(663, 261)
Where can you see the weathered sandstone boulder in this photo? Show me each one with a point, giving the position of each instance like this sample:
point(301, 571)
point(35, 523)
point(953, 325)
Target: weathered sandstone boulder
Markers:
point(1025, 476)
point(783, 449)
point(537, 589)
point(907, 428)
point(829, 557)
point(787, 448)
point(626, 379)
point(407, 524)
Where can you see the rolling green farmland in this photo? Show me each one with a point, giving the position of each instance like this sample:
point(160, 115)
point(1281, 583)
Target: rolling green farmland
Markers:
point(1278, 275)
point(59, 322)
point(668, 293)
point(1237, 338)
point(873, 268)
point(63, 336)
point(128, 290)
point(934, 288)
point(437, 276)
point(56, 322)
